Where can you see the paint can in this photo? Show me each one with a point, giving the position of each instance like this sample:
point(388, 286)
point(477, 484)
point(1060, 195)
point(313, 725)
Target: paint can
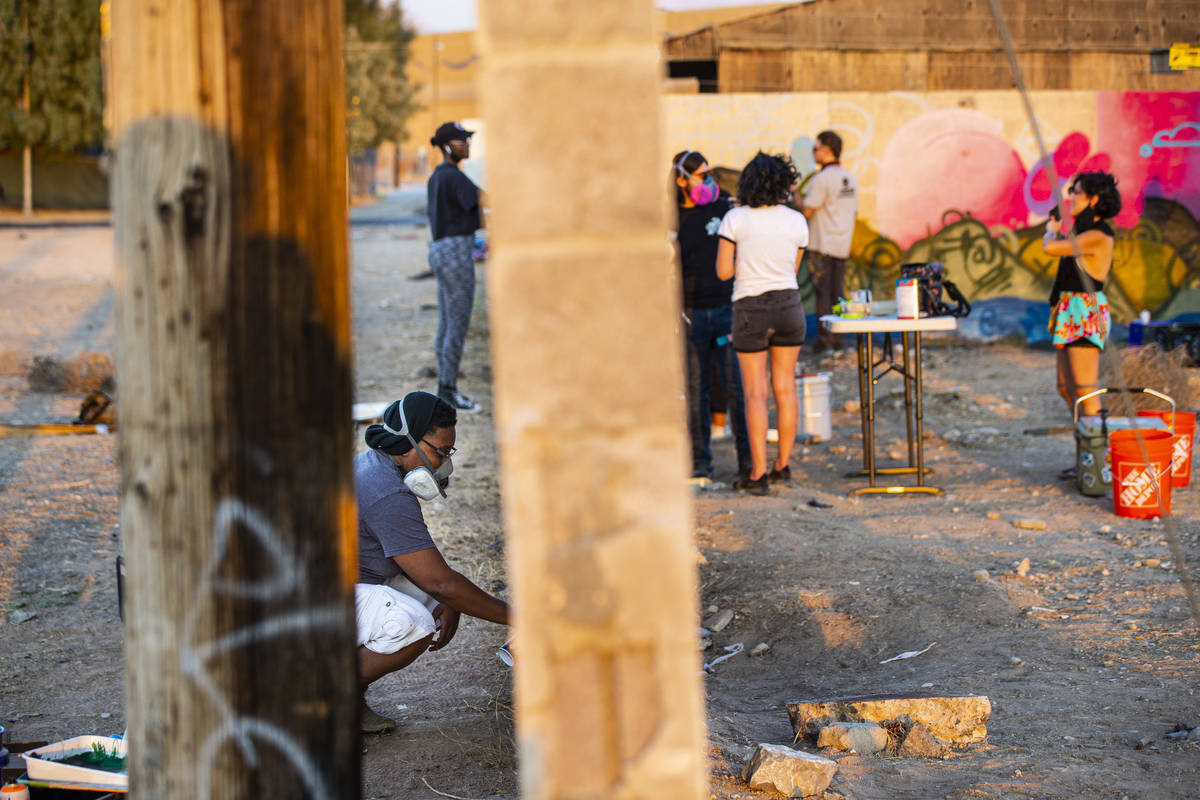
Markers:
point(14, 791)
point(813, 396)
point(908, 293)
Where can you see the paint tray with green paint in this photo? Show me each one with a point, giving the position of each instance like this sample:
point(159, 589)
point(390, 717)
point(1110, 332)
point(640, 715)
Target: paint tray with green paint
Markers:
point(96, 761)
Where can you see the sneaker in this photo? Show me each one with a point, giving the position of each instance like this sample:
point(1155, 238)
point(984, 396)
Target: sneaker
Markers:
point(462, 402)
point(761, 486)
point(375, 723)
point(780, 475)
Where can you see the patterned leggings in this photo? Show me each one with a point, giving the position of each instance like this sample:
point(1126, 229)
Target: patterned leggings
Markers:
point(451, 262)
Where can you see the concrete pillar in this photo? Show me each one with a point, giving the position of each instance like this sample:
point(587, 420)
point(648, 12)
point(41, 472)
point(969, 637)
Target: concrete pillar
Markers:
point(584, 311)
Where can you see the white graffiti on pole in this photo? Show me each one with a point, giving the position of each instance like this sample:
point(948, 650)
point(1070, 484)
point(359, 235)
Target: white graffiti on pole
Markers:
point(287, 577)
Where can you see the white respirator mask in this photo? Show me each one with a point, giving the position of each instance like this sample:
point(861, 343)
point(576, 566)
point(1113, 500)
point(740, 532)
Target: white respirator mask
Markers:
point(425, 482)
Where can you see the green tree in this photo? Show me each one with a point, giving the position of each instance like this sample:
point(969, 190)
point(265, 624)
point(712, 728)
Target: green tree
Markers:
point(53, 46)
point(378, 95)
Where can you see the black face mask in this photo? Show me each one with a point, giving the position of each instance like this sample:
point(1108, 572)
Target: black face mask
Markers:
point(1086, 220)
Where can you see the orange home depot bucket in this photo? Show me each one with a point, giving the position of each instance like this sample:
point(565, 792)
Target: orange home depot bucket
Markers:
point(1185, 429)
point(1137, 480)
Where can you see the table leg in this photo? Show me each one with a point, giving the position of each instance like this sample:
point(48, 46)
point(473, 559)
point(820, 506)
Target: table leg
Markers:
point(869, 431)
point(864, 374)
point(920, 414)
point(914, 418)
point(908, 410)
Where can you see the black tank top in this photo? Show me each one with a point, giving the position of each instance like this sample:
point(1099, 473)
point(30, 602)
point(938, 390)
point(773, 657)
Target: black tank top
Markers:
point(1069, 277)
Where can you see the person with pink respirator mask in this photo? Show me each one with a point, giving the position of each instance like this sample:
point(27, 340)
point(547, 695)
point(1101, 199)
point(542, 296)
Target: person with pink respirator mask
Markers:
point(707, 311)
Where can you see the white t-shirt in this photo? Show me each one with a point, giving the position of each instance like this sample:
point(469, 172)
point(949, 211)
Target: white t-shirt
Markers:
point(833, 192)
point(768, 239)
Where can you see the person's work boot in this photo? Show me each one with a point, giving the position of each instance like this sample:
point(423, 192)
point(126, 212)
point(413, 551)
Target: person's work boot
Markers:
point(375, 723)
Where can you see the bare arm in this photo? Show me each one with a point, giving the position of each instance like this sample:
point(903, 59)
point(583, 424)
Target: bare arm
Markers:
point(1095, 247)
point(807, 211)
point(725, 250)
point(430, 572)
point(799, 258)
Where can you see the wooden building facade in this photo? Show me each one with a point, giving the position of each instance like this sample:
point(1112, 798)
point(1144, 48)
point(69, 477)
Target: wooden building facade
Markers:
point(936, 45)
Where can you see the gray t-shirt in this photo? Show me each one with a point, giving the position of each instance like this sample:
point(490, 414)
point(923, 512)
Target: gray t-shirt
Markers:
point(390, 522)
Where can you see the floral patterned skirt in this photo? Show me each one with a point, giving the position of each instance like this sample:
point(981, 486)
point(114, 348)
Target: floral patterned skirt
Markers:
point(1080, 315)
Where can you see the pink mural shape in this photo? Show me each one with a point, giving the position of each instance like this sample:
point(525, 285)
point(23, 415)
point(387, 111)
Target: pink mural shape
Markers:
point(950, 160)
point(1070, 158)
point(1154, 139)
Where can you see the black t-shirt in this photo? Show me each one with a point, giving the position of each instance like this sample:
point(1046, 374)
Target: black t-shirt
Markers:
point(1068, 278)
point(698, 255)
point(453, 203)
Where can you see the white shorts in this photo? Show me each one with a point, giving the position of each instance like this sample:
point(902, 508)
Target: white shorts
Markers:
point(392, 615)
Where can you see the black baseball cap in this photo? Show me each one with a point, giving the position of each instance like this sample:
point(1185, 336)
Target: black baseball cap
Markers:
point(448, 132)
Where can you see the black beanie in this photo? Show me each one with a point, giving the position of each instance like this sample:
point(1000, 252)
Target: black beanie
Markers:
point(418, 411)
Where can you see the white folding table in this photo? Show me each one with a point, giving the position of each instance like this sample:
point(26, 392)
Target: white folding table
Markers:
point(910, 370)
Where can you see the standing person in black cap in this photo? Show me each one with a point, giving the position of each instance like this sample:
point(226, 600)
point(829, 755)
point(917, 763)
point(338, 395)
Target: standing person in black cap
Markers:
point(454, 216)
point(407, 598)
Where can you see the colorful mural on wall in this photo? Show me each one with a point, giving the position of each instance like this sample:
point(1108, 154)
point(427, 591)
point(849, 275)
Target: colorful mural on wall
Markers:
point(957, 178)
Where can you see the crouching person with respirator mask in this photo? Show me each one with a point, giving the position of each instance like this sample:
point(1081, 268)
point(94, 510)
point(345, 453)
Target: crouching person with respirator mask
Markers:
point(408, 599)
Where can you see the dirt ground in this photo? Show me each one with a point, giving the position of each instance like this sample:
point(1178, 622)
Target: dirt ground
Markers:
point(1089, 660)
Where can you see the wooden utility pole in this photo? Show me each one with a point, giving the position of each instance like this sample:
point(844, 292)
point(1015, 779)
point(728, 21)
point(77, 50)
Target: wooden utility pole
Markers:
point(589, 411)
point(234, 369)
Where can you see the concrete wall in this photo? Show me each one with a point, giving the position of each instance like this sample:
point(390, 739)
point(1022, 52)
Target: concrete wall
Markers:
point(956, 177)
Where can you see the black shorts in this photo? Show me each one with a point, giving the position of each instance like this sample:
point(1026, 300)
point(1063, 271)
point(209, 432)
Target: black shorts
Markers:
point(772, 319)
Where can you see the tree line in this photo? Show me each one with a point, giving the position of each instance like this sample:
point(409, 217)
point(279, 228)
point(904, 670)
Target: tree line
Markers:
point(52, 86)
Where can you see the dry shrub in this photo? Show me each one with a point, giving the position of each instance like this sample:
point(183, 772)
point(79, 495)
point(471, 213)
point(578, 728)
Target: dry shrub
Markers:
point(1151, 367)
point(87, 372)
point(84, 373)
point(46, 375)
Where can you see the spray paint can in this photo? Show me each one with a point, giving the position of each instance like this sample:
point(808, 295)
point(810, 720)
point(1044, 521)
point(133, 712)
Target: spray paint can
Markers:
point(908, 293)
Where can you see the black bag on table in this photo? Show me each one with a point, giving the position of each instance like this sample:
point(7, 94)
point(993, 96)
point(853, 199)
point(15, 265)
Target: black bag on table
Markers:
point(931, 283)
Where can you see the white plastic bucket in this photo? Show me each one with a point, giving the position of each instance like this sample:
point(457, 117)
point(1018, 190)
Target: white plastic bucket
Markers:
point(813, 398)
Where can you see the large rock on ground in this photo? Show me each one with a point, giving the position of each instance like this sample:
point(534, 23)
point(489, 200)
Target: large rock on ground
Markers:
point(858, 737)
point(792, 773)
point(956, 719)
point(920, 743)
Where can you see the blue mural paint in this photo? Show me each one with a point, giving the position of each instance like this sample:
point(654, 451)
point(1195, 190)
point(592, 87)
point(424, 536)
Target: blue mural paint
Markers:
point(1166, 138)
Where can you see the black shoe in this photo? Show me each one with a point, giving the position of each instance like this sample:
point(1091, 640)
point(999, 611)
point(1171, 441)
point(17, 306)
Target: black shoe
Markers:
point(780, 475)
point(760, 486)
point(461, 402)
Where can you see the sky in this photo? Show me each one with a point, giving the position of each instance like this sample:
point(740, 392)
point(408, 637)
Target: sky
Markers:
point(444, 16)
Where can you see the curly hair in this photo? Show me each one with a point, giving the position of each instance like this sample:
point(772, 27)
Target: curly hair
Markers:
point(444, 416)
point(767, 180)
point(683, 164)
point(1103, 186)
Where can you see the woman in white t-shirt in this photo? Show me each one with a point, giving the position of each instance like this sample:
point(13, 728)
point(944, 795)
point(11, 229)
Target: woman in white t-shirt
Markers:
point(762, 241)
